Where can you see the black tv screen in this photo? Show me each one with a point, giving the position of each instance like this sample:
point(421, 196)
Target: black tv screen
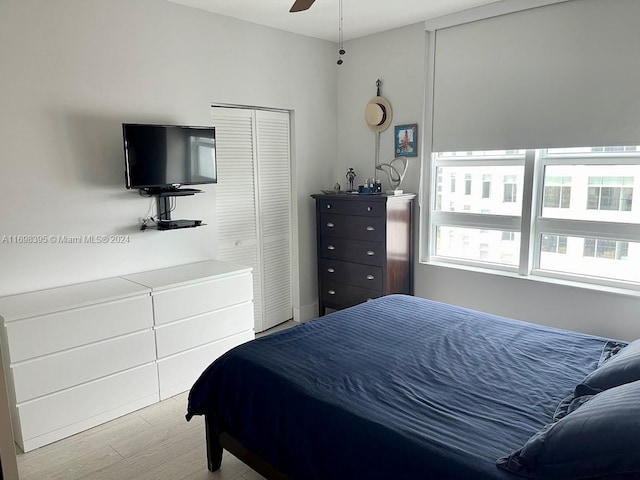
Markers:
point(167, 156)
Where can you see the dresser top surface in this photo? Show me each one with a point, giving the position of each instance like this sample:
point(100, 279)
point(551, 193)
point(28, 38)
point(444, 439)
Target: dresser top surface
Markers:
point(375, 197)
point(171, 277)
point(68, 297)
point(51, 300)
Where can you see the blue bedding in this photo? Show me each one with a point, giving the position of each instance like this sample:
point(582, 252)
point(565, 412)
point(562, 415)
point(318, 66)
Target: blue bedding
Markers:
point(396, 388)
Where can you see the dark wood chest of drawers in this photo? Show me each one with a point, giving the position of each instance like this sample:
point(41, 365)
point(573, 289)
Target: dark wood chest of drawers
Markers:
point(365, 247)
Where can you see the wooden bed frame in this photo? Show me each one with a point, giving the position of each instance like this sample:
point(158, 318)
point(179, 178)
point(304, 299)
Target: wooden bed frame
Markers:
point(216, 443)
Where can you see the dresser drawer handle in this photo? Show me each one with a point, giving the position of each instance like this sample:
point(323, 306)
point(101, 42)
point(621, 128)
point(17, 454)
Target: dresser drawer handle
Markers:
point(331, 292)
point(330, 270)
point(371, 253)
point(328, 205)
point(370, 228)
point(330, 225)
point(370, 277)
point(369, 209)
point(331, 247)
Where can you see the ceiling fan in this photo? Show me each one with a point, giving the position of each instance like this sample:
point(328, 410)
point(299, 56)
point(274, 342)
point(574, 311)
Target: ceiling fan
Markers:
point(301, 5)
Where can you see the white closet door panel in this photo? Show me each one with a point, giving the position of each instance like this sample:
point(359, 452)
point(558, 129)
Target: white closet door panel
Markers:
point(178, 373)
point(274, 173)
point(183, 302)
point(180, 336)
point(63, 330)
point(277, 275)
point(236, 195)
point(60, 371)
point(254, 204)
point(235, 191)
point(274, 192)
point(76, 405)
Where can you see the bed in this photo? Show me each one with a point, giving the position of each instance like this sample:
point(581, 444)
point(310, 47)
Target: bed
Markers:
point(405, 388)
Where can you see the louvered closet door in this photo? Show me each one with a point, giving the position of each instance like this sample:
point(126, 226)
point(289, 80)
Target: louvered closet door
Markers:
point(253, 203)
point(236, 194)
point(274, 213)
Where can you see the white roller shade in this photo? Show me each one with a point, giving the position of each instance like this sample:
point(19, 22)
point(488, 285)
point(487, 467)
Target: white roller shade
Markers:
point(556, 76)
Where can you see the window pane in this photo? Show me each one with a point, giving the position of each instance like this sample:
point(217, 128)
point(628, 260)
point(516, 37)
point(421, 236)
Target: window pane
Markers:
point(552, 197)
point(594, 257)
point(562, 244)
point(478, 245)
point(477, 192)
point(609, 198)
point(549, 243)
point(626, 199)
point(597, 193)
point(565, 197)
point(486, 189)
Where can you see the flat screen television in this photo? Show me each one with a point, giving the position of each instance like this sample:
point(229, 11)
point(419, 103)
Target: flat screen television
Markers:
point(164, 157)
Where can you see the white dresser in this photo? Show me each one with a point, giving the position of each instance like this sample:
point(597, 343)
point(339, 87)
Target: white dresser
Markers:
point(80, 355)
point(201, 310)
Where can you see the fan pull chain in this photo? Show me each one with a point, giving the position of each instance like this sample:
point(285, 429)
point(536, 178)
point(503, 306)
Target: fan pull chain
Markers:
point(340, 34)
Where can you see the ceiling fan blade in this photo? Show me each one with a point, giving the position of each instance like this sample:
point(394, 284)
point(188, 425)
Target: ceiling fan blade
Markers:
point(301, 5)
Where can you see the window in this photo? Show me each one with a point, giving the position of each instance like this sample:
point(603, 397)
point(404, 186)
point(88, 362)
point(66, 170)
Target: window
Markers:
point(610, 193)
point(510, 188)
point(602, 248)
point(467, 184)
point(453, 183)
point(578, 222)
point(486, 186)
point(557, 192)
point(554, 244)
point(477, 225)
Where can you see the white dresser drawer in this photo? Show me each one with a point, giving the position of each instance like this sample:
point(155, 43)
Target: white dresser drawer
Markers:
point(65, 413)
point(59, 331)
point(178, 373)
point(186, 334)
point(190, 300)
point(49, 374)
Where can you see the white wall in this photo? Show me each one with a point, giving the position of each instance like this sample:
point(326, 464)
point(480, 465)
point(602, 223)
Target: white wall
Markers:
point(397, 58)
point(74, 70)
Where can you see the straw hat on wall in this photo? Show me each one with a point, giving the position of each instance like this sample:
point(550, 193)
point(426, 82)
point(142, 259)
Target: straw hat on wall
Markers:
point(378, 114)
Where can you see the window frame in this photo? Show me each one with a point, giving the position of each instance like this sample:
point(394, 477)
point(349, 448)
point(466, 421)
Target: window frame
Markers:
point(530, 223)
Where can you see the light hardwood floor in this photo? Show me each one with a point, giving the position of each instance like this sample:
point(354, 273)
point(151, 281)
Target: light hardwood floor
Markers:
point(155, 443)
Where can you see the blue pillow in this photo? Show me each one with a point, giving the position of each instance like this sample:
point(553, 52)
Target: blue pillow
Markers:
point(599, 439)
point(623, 367)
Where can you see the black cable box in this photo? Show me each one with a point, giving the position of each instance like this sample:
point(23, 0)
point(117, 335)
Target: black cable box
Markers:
point(173, 224)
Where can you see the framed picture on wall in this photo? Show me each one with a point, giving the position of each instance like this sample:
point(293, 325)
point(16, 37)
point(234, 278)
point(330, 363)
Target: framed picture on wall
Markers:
point(406, 140)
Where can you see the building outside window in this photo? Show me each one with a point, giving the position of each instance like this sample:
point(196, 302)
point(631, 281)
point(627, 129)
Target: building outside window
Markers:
point(584, 223)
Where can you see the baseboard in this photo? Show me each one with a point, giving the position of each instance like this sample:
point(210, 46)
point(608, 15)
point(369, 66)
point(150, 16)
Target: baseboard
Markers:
point(306, 312)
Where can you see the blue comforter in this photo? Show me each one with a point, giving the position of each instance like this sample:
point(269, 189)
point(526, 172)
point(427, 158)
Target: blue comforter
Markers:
point(397, 388)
